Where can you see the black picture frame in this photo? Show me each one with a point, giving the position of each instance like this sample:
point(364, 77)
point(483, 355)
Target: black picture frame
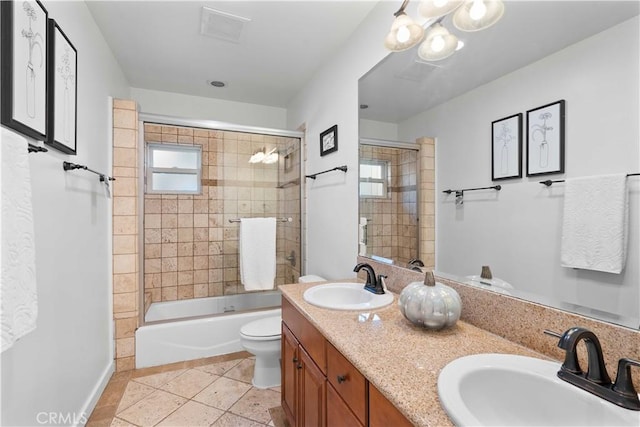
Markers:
point(546, 139)
point(62, 128)
point(24, 72)
point(506, 148)
point(329, 140)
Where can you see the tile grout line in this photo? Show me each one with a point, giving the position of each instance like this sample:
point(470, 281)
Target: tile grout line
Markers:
point(197, 366)
point(224, 411)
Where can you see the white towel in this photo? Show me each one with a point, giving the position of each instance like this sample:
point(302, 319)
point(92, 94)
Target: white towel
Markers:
point(18, 300)
point(594, 224)
point(362, 236)
point(257, 253)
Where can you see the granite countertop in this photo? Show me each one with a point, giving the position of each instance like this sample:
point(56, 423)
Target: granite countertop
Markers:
point(401, 360)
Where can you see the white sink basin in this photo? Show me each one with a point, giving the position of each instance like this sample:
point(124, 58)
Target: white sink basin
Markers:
point(346, 296)
point(509, 390)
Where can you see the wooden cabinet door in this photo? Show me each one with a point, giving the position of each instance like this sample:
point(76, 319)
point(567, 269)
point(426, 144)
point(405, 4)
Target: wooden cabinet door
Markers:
point(290, 361)
point(338, 413)
point(312, 393)
point(382, 413)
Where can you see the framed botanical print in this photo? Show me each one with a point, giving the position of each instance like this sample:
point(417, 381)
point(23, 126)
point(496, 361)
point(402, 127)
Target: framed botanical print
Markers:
point(545, 139)
point(506, 148)
point(24, 67)
point(62, 89)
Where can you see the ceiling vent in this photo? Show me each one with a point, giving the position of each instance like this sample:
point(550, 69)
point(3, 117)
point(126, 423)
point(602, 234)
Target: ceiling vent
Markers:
point(417, 70)
point(222, 25)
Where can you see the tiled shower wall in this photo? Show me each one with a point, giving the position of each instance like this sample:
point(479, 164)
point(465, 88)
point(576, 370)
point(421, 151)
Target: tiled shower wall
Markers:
point(393, 228)
point(190, 247)
point(392, 221)
point(125, 231)
point(427, 202)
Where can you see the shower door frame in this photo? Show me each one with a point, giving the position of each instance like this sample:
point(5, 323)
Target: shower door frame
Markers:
point(212, 125)
point(400, 145)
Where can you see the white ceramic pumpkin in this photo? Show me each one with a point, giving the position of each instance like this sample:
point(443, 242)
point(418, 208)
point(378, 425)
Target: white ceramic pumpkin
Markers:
point(430, 304)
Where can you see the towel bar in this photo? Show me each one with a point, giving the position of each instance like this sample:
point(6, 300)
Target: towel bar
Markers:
point(283, 219)
point(549, 182)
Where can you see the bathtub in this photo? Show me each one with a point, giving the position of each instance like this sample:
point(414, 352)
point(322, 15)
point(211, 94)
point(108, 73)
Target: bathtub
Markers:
point(201, 327)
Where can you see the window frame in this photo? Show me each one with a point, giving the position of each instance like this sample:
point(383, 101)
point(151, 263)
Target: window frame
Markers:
point(386, 168)
point(150, 169)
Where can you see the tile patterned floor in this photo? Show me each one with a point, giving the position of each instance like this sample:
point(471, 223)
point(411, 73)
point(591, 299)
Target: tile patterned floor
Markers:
point(213, 392)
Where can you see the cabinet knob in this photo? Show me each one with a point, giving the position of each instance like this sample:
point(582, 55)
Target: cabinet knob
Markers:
point(295, 360)
point(341, 378)
point(299, 366)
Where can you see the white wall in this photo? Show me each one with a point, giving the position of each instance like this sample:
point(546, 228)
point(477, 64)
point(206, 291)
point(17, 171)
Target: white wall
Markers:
point(58, 367)
point(378, 130)
point(197, 107)
point(517, 231)
point(330, 98)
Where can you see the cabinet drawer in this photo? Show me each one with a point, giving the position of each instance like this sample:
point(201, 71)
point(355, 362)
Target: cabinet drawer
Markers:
point(348, 382)
point(308, 336)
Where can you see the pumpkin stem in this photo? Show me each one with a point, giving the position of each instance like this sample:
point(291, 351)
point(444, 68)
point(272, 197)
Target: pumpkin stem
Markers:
point(429, 279)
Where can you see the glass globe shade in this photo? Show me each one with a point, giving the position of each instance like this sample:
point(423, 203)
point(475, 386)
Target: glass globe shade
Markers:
point(404, 34)
point(437, 8)
point(439, 44)
point(478, 15)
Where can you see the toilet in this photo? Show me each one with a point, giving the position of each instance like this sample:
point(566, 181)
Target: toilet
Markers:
point(262, 339)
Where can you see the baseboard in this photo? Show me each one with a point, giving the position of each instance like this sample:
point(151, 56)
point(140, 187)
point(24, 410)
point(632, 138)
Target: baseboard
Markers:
point(91, 402)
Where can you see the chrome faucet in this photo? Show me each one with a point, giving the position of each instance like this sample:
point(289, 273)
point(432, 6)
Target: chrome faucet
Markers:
point(373, 284)
point(596, 380)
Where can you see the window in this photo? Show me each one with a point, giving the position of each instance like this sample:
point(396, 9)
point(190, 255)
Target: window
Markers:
point(174, 169)
point(374, 176)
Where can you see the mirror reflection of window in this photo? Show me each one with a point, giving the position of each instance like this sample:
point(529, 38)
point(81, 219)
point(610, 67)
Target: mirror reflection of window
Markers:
point(374, 178)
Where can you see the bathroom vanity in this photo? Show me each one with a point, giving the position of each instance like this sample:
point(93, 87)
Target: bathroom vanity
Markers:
point(320, 386)
point(369, 368)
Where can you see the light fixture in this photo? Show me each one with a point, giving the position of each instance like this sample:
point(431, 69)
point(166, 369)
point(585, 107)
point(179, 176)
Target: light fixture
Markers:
point(271, 157)
point(476, 15)
point(437, 8)
point(262, 156)
point(404, 33)
point(216, 83)
point(257, 157)
point(438, 44)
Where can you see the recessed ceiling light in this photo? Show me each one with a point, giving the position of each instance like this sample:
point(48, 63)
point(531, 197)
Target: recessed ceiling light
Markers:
point(216, 83)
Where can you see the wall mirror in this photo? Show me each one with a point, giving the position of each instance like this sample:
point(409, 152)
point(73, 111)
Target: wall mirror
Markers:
point(583, 52)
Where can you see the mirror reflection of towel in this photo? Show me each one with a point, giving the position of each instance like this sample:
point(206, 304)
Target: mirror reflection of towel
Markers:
point(595, 222)
point(18, 282)
point(257, 253)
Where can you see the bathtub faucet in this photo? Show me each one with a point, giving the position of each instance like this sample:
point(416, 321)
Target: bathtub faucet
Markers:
point(373, 284)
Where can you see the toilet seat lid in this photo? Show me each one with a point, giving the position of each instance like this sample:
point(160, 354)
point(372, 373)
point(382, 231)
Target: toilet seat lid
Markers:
point(268, 327)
